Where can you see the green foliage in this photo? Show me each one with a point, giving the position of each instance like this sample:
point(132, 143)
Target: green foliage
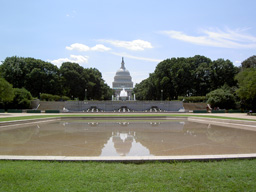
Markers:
point(70, 80)
point(21, 100)
point(6, 91)
point(249, 63)
point(222, 98)
point(247, 88)
point(50, 97)
point(194, 76)
point(35, 75)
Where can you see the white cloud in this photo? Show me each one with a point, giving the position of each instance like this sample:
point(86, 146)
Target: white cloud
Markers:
point(137, 58)
point(80, 59)
point(135, 45)
point(71, 14)
point(100, 47)
point(217, 38)
point(84, 48)
point(237, 63)
point(78, 47)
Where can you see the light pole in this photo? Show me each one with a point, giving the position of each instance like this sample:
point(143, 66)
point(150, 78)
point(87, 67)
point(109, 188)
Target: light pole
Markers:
point(162, 94)
point(85, 94)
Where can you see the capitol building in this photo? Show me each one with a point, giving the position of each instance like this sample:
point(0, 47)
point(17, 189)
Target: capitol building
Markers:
point(123, 84)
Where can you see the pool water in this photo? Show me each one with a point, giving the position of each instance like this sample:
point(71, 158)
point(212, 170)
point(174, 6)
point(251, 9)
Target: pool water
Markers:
point(126, 137)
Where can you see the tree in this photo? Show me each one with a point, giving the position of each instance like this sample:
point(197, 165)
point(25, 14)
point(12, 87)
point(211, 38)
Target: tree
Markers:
point(12, 69)
point(249, 63)
point(222, 98)
point(73, 80)
point(6, 91)
point(43, 77)
point(193, 76)
point(146, 90)
point(97, 88)
point(35, 75)
point(247, 88)
point(21, 100)
point(222, 72)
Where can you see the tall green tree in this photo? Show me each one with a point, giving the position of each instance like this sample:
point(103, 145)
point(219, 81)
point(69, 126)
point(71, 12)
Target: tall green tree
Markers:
point(13, 70)
point(97, 88)
point(247, 88)
point(146, 90)
point(35, 75)
point(74, 80)
point(6, 91)
point(249, 63)
point(21, 100)
point(200, 70)
point(194, 76)
point(222, 72)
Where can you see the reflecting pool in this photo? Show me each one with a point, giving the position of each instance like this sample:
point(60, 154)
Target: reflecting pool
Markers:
point(95, 137)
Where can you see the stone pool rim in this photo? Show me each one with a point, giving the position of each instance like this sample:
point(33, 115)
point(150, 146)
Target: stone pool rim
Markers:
point(131, 159)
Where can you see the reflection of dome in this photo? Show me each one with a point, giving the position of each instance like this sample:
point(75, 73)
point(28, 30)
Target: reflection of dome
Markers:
point(123, 143)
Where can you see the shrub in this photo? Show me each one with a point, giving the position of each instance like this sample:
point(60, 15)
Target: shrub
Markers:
point(21, 100)
point(50, 97)
point(222, 98)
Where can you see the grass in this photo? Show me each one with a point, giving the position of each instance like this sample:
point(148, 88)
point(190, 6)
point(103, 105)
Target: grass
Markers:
point(231, 175)
point(117, 115)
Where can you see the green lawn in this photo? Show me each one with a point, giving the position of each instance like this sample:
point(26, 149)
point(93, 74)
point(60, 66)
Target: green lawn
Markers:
point(231, 175)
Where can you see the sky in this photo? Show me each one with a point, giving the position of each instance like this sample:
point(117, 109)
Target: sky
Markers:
point(98, 33)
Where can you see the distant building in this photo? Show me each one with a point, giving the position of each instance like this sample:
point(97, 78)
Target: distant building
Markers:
point(123, 81)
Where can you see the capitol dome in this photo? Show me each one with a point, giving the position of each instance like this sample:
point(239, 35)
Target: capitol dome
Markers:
point(122, 80)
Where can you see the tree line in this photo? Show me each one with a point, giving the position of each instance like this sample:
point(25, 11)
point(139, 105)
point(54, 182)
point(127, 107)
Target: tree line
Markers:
point(224, 84)
point(38, 77)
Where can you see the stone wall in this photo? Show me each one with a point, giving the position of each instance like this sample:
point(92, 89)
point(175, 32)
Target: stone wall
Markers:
point(110, 106)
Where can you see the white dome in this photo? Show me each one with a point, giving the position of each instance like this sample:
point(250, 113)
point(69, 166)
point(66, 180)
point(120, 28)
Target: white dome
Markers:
point(122, 78)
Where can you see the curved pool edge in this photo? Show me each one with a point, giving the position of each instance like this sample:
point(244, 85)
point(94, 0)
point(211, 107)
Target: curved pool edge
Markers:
point(132, 159)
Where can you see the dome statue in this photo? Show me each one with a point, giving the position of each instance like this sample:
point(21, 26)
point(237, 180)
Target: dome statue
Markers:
point(123, 93)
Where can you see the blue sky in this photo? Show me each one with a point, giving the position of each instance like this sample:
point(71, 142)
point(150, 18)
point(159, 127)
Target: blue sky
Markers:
point(97, 33)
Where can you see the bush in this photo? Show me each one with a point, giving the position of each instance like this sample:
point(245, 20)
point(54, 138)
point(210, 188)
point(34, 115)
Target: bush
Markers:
point(21, 100)
point(50, 97)
point(222, 98)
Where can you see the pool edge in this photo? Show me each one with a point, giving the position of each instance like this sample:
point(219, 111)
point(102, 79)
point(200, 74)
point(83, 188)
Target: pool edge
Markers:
point(139, 159)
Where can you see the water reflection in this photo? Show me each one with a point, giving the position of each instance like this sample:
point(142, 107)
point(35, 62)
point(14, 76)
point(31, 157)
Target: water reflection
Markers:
point(124, 138)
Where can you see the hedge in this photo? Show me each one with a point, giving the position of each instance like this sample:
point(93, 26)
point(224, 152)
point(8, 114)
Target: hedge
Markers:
point(33, 111)
point(193, 99)
point(199, 111)
point(14, 110)
point(52, 111)
point(50, 97)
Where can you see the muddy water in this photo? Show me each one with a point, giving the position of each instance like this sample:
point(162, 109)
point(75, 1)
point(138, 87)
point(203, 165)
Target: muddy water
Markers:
point(124, 138)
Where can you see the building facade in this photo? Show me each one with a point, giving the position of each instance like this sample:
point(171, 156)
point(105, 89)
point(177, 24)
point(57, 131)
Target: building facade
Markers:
point(123, 81)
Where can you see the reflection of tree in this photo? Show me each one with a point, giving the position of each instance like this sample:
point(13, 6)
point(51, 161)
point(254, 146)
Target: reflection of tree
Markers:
point(17, 136)
point(57, 138)
point(232, 137)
